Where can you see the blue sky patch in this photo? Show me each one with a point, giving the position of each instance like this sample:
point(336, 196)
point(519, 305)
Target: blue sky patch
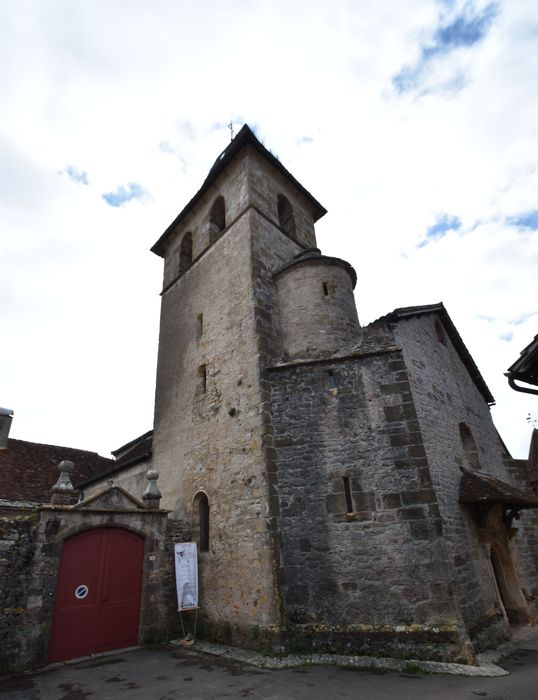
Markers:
point(527, 220)
point(80, 177)
point(443, 224)
point(469, 27)
point(465, 30)
point(124, 194)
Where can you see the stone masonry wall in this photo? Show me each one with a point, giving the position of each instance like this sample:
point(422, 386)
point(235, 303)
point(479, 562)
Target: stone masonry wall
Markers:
point(18, 608)
point(316, 319)
point(207, 431)
point(445, 395)
point(374, 580)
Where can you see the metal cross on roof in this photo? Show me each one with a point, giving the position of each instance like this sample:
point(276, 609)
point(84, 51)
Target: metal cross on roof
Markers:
point(231, 127)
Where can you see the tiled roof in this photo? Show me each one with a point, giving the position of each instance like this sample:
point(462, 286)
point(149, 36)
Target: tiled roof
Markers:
point(28, 470)
point(452, 332)
point(137, 450)
point(477, 487)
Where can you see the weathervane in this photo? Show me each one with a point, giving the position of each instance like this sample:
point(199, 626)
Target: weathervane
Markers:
point(231, 127)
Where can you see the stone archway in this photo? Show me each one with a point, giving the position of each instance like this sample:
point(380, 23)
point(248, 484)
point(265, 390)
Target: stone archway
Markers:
point(503, 569)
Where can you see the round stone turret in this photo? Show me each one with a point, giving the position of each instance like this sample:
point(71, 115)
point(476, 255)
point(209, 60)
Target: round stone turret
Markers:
point(318, 315)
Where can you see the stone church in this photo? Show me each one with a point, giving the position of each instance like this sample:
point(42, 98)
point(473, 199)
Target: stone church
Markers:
point(345, 485)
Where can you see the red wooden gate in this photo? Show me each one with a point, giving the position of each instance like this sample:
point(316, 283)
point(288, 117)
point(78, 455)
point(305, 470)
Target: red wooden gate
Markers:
point(97, 604)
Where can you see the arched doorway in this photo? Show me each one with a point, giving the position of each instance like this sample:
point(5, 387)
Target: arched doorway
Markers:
point(504, 571)
point(97, 605)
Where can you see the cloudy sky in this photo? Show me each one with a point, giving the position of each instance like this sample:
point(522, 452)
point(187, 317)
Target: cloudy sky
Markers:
point(414, 123)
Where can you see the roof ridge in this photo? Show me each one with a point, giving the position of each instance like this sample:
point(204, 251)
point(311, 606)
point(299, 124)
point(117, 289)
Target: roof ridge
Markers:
point(58, 447)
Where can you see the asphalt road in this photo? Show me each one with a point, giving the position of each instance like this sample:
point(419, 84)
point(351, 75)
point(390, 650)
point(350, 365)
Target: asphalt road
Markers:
point(172, 673)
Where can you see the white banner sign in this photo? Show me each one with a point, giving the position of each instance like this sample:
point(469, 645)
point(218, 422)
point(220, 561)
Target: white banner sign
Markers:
point(186, 575)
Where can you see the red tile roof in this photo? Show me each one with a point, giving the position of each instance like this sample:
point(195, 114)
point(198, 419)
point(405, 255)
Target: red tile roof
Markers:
point(28, 470)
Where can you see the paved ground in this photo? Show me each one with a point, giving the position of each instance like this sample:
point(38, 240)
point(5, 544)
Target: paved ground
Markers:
point(177, 673)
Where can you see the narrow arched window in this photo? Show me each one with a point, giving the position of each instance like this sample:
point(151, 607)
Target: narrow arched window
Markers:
point(439, 331)
point(217, 218)
point(286, 219)
point(469, 446)
point(185, 253)
point(201, 521)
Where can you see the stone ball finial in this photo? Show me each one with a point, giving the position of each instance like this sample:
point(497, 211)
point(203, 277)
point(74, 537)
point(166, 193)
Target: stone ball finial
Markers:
point(152, 495)
point(66, 466)
point(63, 492)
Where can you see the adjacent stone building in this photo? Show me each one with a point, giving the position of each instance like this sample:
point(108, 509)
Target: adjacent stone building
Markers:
point(346, 486)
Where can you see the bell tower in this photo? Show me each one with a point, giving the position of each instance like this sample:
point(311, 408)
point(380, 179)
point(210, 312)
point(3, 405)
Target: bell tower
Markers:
point(219, 330)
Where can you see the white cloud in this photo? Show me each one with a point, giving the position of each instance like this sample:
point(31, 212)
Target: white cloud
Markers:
point(128, 92)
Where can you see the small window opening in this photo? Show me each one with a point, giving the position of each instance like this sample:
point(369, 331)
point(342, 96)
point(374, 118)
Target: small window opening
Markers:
point(347, 491)
point(201, 520)
point(331, 379)
point(200, 319)
point(469, 446)
point(439, 332)
point(325, 289)
point(286, 219)
point(202, 371)
point(185, 253)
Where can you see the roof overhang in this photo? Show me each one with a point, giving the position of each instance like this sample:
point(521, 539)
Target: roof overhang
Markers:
point(482, 489)
point(525, 369)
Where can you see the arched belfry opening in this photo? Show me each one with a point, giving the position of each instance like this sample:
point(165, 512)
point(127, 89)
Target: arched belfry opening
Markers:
point(286, 218)
point(217, 218)
point(200, 520)
point(185, 253)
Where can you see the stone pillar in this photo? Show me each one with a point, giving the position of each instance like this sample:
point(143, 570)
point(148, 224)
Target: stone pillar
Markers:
point(63, 493)
point(152, 495)
point(6, 416)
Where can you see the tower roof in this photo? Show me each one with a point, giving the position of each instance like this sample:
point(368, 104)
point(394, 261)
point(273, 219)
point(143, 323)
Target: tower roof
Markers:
point(314, 255)
point(244, 137)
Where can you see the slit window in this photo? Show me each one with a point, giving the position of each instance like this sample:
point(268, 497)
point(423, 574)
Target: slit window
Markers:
point(347, 492)
point(325, 289)
point(202, 371)
point(200, 327)
point(201, 520)
point(331, 379)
